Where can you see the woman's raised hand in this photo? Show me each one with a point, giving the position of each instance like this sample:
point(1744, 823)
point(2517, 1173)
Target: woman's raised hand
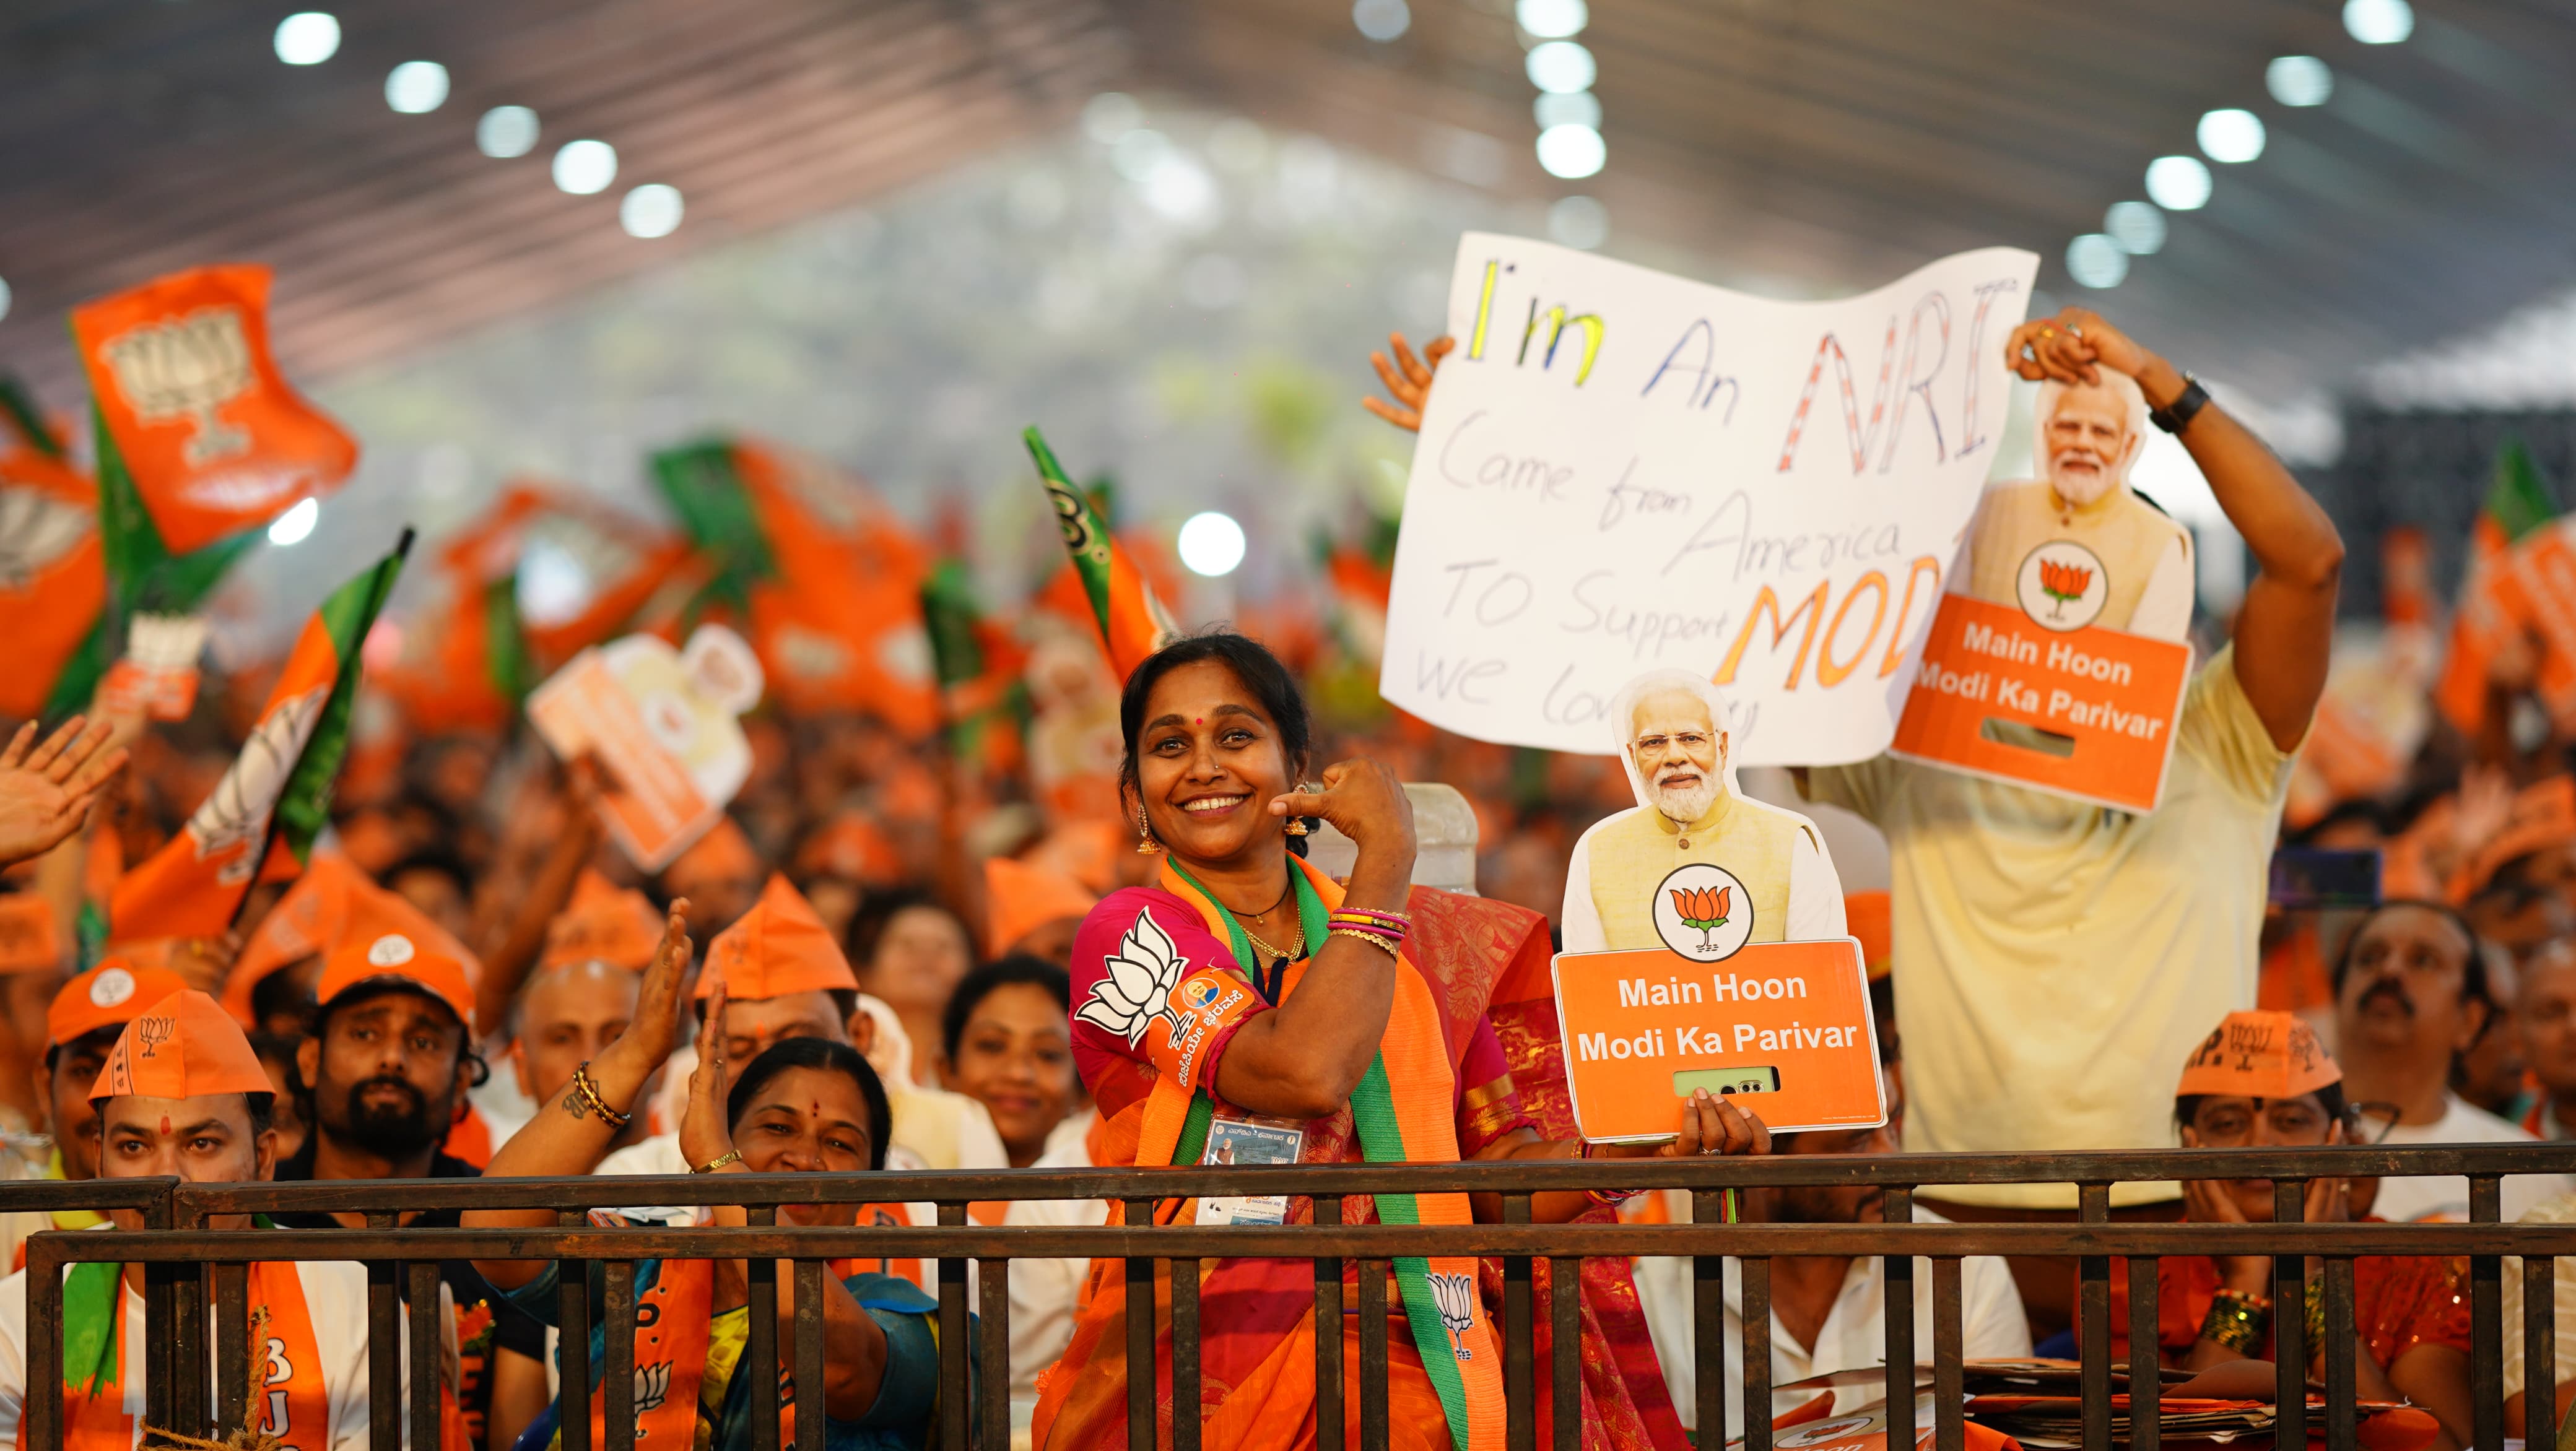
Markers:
point(655, 1029)
point(1364, 801)
point(705, 1136)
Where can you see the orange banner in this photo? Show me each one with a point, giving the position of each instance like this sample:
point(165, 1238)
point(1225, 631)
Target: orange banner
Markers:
point(1784, 1027)
point(2085, 713)
point(187, 391)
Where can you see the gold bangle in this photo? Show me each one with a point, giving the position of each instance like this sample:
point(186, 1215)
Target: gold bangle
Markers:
point(729, 1156)
point(1377, 940)
point(588, 1090)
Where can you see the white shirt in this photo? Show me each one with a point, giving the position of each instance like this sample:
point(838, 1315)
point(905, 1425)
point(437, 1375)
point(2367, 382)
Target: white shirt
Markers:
point(335, 1295)
point(1045, 1293)
point(1815, 892)
point(2428, 1197)
point(1853, 1337)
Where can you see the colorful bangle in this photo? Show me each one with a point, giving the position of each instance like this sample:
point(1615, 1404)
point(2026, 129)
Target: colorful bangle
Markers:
point(2236, 1321)
point(587, 1089)
point(1390, 946)
point(1611, 1198)
point(1395, 922)
point(2316, 1318)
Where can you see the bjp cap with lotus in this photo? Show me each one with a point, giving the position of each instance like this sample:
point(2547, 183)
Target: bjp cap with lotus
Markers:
point(110, 995)
point(184, 1046)
point(779, 947)
point(392, 960)
point(2259, 1054)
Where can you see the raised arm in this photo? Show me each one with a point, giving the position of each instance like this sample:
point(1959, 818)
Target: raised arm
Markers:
point(46, 787)
point(1303, 1059)
point(2285, 628)
point(569, 1137)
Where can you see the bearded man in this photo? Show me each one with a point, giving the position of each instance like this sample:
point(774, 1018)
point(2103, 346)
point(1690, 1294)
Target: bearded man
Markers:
point(1674, 741)
point(2088, 435)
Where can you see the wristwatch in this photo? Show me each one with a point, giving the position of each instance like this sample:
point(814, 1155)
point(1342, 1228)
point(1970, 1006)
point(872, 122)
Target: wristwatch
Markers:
point(2176, 416)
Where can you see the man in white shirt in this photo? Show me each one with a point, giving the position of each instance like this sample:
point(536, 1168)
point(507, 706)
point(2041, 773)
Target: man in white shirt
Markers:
point(2410, 995)
point(1672, 734)
point(1828, 1313)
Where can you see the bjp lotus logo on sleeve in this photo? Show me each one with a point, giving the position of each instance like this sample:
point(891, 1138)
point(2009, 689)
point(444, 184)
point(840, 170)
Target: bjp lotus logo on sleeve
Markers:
point(1704, 912)
point(2061, 586)
point(1138, 985)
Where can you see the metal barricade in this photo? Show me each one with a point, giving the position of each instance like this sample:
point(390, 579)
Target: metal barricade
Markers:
point(193, 1267)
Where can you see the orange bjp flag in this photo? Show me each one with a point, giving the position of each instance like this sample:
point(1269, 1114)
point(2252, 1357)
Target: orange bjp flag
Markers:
point(1133, 623)
point(53, 579)
point(193, 411)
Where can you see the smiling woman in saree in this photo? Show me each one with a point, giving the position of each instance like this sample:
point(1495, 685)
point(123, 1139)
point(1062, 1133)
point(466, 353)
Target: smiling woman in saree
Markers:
point(1247, 1008)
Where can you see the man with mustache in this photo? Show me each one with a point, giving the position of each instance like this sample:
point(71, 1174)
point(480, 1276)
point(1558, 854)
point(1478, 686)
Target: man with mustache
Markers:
point(382, 1079)
point(2411, 994)
point(1673, 740)
point(2087, 435)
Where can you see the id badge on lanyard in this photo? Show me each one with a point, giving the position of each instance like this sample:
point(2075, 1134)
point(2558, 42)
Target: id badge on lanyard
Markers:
point(1249, 1141)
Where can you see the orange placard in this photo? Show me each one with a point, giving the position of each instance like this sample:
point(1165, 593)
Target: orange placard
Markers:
point(2086, 713)
point(654, 810)
point(1783, 1026)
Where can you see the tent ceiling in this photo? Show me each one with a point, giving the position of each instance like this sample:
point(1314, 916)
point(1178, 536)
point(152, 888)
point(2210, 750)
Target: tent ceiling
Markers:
point(1796, 146)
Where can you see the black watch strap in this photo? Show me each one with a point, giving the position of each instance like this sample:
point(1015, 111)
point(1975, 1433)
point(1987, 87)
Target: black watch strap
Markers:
point(2176, 416)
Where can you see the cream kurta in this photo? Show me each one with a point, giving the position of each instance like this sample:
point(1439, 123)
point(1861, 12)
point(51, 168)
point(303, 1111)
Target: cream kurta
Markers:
point(1611, 880)
point(2146, 556)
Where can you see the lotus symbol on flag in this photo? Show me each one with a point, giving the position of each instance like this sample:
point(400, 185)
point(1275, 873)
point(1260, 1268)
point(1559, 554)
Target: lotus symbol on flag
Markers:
point(1456, 1297)
point(36, 529)
point(2064, 583)
point(1705, 908)
point(187, 368)
point(652, 1386)
point(1139, 986)
point(236, 812)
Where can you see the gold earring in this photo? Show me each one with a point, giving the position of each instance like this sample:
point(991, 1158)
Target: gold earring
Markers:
point(1297, 824)
point(1145, 843)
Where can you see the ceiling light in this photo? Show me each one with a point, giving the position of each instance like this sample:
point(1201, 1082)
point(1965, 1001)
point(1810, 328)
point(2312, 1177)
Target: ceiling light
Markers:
point(1110, 115)
point(1381, 20)
point(1561, 65)
point(506, 131)
point(416, 87)
point(2178, 183)
point(308, 37)
point(2137, 226)
point(585, 168)
point(2231, 135)
point(1552, 19)
point(1572, 152)
point(2299, 80)
point(1211, 544)
point(1579, 222)
point(651, 210)
point(2378, 22)
point(1567, 108)
point(293, 526)
point(2096, 261)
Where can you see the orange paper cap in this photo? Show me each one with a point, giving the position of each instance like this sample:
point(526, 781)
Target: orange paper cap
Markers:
point(110, 995)
point(604, 924)
point(723, 852)
point(393, 959)
point(28, 942)
point(1865, 916)
point(2543, 815)
point(305, 922)
point(184, 1046)
point(2259, 1054)
point(1020, 898)
point(779, 947)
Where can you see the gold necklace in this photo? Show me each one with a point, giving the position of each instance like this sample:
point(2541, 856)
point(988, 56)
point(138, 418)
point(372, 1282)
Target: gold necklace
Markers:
point(1290, 955)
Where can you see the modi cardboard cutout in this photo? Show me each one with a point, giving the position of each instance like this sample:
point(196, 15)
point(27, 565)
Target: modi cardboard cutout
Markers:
point(2057, 659)
point(1705, 944)
point(663, 722)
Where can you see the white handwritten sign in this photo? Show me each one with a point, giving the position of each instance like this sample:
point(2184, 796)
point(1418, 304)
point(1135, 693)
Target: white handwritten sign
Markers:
point(1621, 470)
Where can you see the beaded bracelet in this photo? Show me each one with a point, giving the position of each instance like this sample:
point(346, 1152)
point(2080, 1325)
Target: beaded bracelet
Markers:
point(1390, 946)
point(587, 1089)
point(2236, 1321)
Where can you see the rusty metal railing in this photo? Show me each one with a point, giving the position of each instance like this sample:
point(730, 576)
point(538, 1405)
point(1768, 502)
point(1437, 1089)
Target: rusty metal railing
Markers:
point(190, 1268)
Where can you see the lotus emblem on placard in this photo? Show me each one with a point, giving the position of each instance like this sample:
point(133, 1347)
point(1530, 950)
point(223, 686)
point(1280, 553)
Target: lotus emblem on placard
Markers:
point(1704, 908)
